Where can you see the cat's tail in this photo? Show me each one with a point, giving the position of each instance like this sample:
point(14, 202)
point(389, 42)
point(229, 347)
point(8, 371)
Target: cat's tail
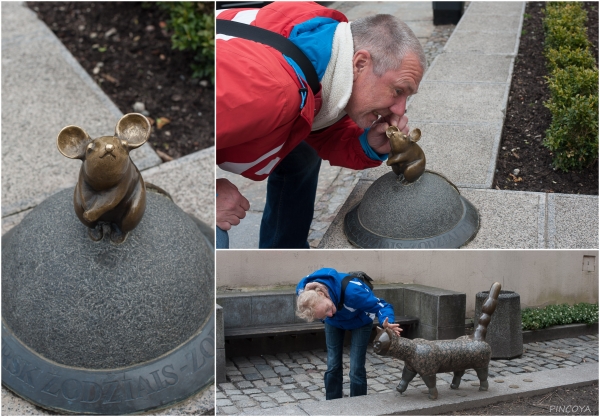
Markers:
point(488, 308)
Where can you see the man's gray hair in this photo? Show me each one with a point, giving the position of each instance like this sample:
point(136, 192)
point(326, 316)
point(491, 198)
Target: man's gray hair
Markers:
point(388, 40)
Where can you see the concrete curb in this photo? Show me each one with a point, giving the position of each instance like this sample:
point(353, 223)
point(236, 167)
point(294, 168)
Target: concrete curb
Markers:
point(559, 332)
point(190, 181)
point(414, 402)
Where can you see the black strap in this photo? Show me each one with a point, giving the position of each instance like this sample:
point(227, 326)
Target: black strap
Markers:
point(364, 278)
point(275, 40)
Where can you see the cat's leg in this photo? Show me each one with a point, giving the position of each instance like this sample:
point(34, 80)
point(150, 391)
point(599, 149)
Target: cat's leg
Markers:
point(430, 382)
point(407, 376)
point(482, 374)
point(456, 380)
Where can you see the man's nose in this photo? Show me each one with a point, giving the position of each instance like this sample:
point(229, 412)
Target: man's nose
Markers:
point(399, 106)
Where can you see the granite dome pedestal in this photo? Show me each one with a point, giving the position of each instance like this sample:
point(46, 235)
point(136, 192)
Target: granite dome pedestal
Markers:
point(105, 328)
point(427, 213)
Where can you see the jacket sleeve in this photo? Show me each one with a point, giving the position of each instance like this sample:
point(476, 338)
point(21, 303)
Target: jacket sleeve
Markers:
point(253, 99)
point(360, 297)
point(340, 145)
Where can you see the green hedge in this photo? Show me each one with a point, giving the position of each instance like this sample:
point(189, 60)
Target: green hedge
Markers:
point(193, 27)
point(553, 315)
point(573, 84)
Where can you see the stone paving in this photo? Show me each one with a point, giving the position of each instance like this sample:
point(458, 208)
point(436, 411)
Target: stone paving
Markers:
point(268, 381)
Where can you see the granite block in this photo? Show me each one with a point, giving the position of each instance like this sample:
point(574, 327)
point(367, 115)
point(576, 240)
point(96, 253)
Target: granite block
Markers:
point(451, 310)
point(220, 370)
point(272, 309)
point(484, 42)
point(471, 68)
point(508, 219)
point(496, 23)
point(472, 103)
point(190, 181)
point(572, 221)
point(394, 296)
point(506, 8)
point(219, 328)
point(236, 311)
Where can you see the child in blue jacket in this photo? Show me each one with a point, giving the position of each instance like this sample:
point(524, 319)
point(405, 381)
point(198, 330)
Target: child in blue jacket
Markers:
point(318, 298)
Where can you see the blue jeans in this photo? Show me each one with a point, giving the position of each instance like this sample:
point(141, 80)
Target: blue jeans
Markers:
point(222, 238)
point(290, 205)
point(334, 378)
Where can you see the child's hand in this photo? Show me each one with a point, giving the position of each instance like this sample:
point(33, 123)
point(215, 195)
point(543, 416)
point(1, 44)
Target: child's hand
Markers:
point(394, 327)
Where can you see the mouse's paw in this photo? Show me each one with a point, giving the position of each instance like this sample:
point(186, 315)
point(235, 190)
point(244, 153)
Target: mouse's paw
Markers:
point(117, 236)
point(96, 233)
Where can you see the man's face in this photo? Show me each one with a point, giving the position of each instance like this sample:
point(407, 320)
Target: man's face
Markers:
point(324, 308)
point(374, 96)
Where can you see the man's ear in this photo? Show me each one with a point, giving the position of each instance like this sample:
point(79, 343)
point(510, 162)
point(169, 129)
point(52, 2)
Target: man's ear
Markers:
point(360, 62)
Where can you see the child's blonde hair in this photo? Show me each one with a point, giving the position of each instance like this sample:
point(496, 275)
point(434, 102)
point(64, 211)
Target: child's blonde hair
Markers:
point(308, 300)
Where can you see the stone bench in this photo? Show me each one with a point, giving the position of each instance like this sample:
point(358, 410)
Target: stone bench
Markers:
point(297, 328)
point(264, 322)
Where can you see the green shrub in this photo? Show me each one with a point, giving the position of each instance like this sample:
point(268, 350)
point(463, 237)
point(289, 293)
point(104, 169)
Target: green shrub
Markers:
point(573, 83)
point(564, 57)
point(564, 25)
point(193, 29)
point(554, 315)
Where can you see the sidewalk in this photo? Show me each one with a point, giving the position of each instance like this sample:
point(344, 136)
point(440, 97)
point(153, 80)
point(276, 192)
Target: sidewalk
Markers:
point(43, 90)
point(460, 109)
point(292, 384)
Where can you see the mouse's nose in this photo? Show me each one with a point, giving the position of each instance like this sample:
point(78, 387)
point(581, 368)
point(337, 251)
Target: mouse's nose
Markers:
point(109, 148)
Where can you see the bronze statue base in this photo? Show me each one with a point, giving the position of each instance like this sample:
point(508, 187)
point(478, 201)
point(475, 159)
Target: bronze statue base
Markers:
point(427, 213)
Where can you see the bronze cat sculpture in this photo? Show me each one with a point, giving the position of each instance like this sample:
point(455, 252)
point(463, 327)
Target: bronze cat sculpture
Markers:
point(110, 195)
point(407, 159)
point(427, 358)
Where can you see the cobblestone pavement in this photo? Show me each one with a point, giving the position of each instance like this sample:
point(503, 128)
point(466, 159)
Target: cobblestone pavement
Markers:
point(327, 207)
point(261, 382)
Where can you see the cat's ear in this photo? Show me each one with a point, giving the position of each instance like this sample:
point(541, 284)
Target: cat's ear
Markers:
point(379, 329)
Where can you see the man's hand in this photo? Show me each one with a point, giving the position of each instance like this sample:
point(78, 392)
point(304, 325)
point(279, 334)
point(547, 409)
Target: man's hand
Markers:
point(231, 205)
point(376, 137)
point(394, 327)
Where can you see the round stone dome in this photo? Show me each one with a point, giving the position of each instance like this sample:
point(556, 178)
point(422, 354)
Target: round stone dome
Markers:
point(95, 327)
point(429, 213)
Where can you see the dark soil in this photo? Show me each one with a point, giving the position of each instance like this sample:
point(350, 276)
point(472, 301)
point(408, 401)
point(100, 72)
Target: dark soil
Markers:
point(581, 401)
point(127, 51)
point(527, 119)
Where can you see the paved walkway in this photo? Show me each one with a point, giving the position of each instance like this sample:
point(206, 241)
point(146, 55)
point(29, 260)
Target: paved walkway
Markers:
point(43, 90)
point(266, 382)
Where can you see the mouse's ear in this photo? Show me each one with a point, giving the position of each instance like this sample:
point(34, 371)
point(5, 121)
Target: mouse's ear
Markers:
point(133, 128)
point(72, 141)
point(415, 135)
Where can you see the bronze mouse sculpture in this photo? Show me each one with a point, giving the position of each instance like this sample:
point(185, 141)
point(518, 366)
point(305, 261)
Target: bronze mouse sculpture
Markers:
point(406, 158)
point(110, 195)
point(427, 358)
